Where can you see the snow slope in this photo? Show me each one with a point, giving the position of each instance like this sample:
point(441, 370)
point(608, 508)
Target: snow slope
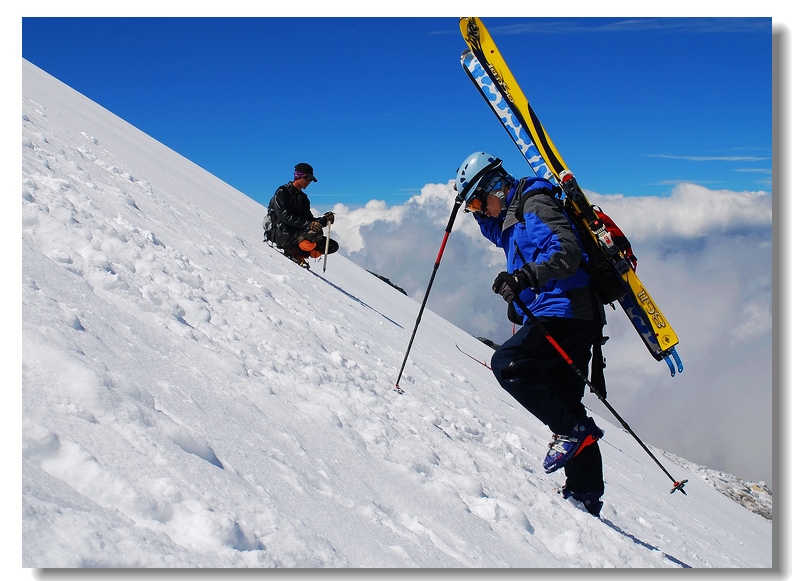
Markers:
point(193, 399)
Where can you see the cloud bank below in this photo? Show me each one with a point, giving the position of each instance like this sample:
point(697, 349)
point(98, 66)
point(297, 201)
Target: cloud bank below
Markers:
point(706, 257)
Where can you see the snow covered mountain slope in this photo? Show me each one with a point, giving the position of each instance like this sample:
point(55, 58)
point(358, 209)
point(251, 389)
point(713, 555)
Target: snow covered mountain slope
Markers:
point(193, 399)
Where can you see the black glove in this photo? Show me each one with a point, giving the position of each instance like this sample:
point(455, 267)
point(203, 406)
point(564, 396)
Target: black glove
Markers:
point(327, 218)
point(315, 226)
point(511, 285)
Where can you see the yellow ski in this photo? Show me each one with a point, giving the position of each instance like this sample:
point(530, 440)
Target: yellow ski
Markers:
point(487, 69)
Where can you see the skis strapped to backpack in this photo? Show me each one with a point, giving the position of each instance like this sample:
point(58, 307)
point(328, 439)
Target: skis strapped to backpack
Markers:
point(603, 268)
point(610, 254)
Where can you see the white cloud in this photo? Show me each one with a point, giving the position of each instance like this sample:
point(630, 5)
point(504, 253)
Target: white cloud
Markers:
point(348, 223)
point(690, 211)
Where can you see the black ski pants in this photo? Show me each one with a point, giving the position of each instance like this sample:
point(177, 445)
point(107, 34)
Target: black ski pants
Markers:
point(534, 373)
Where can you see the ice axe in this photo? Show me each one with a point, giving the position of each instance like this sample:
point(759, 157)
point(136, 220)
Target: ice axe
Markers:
point(327, 247)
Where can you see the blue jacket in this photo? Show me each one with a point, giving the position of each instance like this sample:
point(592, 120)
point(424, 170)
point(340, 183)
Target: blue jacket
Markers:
point(537, 236)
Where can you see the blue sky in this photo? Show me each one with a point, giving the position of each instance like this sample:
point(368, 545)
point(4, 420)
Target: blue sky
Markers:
point(381, 106)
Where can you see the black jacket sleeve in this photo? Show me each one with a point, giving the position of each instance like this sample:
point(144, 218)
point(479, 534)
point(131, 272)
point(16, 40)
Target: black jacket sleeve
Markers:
point(291, 211)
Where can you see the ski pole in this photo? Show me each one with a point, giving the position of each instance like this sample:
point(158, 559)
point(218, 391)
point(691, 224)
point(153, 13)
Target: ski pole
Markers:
point(327, 246)
point(543, 330)
point(454, 211)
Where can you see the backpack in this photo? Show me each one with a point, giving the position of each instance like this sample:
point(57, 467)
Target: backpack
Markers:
point(605, 265)
point(269, 227)
point(603, 241)
point(267, 224)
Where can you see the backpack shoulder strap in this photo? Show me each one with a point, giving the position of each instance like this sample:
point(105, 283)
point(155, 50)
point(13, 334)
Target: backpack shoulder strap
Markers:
point(523, 196)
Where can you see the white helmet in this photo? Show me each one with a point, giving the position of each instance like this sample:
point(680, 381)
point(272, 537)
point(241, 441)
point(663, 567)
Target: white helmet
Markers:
point(470, 174)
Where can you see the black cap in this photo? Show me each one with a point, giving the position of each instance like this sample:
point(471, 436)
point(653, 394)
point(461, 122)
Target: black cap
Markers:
point(306, 170)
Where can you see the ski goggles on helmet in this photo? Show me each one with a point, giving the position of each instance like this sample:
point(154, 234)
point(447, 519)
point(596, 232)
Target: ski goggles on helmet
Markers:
point(477, 200)
point(477, 203)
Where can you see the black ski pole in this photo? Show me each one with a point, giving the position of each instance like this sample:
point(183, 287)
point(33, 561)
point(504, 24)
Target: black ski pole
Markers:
point(454, 211)
point(543, 330)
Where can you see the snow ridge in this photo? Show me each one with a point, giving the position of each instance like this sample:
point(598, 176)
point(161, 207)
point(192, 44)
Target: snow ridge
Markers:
point(755, 496)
